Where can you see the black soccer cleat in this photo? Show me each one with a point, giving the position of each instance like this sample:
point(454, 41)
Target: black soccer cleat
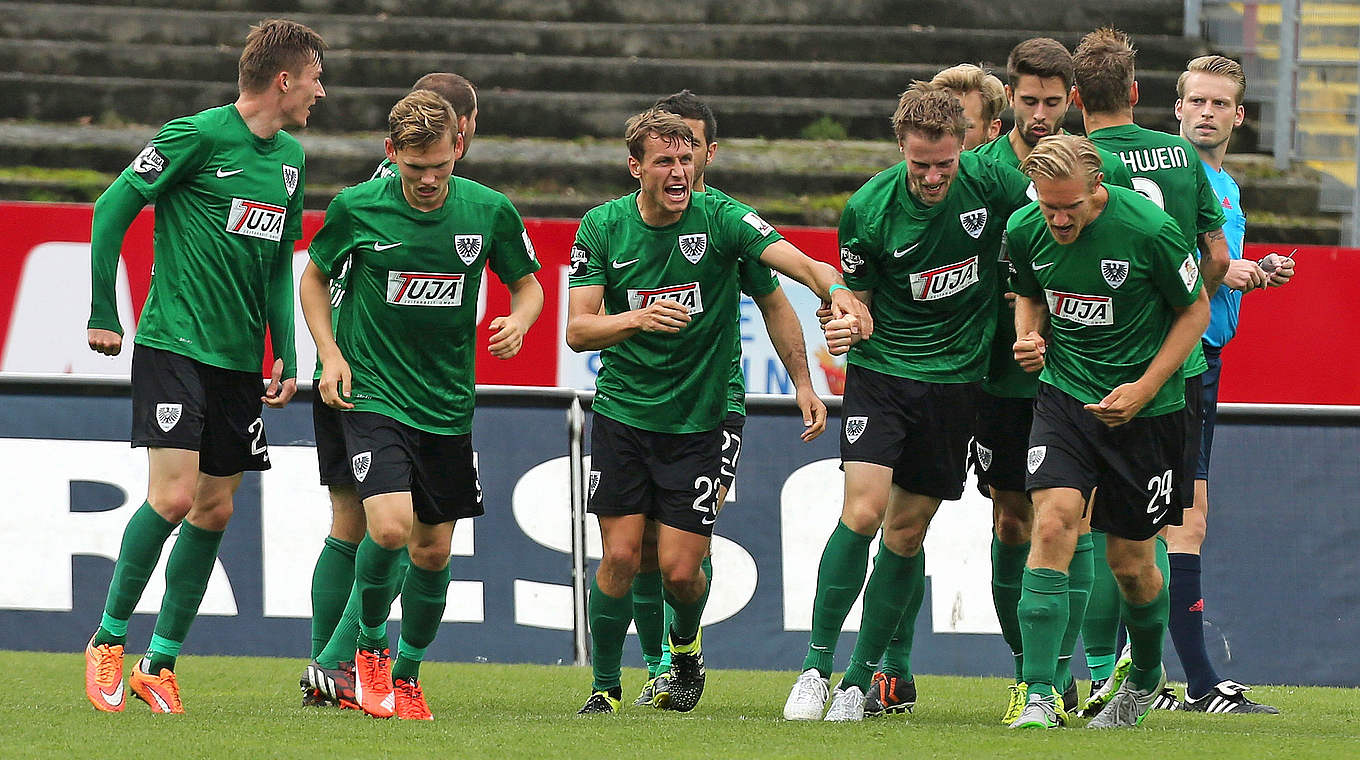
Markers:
point(889, 695)
point(334, 685)
point(686, 684)
point(1227, 697)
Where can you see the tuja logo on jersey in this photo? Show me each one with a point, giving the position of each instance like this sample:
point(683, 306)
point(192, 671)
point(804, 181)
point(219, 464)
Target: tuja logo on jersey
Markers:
point(1093, 311)
point(424, 289)
point(687, 295)
point(944, 281)
point(693, 246)
point(256, 219)
point(469, 247)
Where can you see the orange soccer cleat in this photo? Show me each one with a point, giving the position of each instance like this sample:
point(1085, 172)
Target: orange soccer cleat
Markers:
point(104, 676)
point(160, 692)
point(373, 682)
point(411, 700)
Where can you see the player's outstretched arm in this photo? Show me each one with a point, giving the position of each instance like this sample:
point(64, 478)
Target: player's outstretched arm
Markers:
point(1031, 321)
point(781, 322)
point(822, 279)
point(314, 293)
point(589, 328)
point(526, 303)
point(113, 214)
point(1214, 258)
point(279, 311)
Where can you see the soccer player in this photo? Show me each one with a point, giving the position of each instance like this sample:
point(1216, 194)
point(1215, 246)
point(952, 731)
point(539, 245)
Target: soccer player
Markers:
point(650, 613)
point(227, 183)
point(417, 245)
point(1209, 106)
point(333, 576)
point(1039, 83)
point(1112, 282)
point(1165, 170)
point(663, 262)
point(983, 98)
point(917, 243)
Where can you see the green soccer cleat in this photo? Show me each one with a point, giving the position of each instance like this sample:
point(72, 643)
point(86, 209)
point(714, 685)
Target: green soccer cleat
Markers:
point(1015, 703)
point(648, 693)
point(1102, 691)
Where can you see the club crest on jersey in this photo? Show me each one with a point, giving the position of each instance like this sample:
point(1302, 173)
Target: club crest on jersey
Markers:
point(594, 483)
point(149, 163)
point(974, 222)
point(361, 463)
point(688, 295)
point(167, 416)
point(1035, 458)
point(528, 245)
point(694, 246)
point(854, 428)
point(984, 456)
point(1114, 272)
point(1189, 273)
point(579, 257)
point(424, 289)
point(256, 219)
point(850, 261)
point(290, 179)
point(1092, 311)
point(944, 281)
point(469, 247)
point(760, 225)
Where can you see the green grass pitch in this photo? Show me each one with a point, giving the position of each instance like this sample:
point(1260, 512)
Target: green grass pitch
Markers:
point(248, 707)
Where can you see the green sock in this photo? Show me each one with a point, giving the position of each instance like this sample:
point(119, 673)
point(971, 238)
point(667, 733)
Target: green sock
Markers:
point(143, 539)
point(161, 655)
point(1043, 618)
point(186, 578)
point(840, 576)
point(669, 616)
point(424, 594)
point(885, 597)
point(609, 619)
point(897, 655)
point(648, 615)
point(406, 666)
point(1008, 564)
point(1163, 561)
point(688, 615)
point(1100, 627)
point(1146, 624)
point(376, 579)
point(344, 639)
point(1079, 574)
point(332, 579)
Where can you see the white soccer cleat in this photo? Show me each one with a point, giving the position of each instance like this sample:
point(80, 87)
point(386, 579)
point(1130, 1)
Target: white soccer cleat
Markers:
point(846, 705)
point(808, 698)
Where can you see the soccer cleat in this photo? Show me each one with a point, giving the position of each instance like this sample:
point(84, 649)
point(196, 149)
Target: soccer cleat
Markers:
point(1166, 700)
point(648, 693)
point(104, 676)
point(808, 698)
point(600, 702)
point(1015, 703)
point(410, 703)
point(1070, 698)
point(311, 697)
point(686, 683)
point(160, 692)
point(334, 685)
point(889, 694)
point(1129, 706)
point(1227, 697)
point(846, 705)
point(1039, 712)
point(1101, 691)
point(373, 682)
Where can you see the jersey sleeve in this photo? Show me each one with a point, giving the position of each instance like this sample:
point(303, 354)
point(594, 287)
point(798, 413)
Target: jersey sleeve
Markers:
point(177, 151)
point(1175, 269)
point(1014, 247)
point(588, 254)
point(857, 246)
point(756, 279)
point(1209, 214)
point(331, 245)
point(742, 225)
point(512, 254)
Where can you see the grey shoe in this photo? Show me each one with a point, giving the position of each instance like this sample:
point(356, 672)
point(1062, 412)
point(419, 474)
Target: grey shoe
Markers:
point(846, 705)
point(808, 697)
point(1038, 713)
point(1129, 706)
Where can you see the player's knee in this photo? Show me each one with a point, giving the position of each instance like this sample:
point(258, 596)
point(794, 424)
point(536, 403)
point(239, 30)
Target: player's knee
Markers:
point(622, 559)
point(431, 557)
point(172, 504)
point(389, 534)
point(862, 517)
point(1013, 529)
point(905, 540)
point(680, 571)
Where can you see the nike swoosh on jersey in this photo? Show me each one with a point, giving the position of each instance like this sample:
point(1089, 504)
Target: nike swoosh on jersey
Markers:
point(622, 264)
point(905, 251)
point(114, 698)
point(384, 246)
point(1037, 267)
point(221, 173)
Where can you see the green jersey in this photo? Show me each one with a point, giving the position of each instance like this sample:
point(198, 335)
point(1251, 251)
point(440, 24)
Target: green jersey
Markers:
point(228, 208)
point(756, 280)
point(1111, 295)
point(669, 382)
point(931, 269)
point(1004, 376)
point(408, 322)
point(1168, 171)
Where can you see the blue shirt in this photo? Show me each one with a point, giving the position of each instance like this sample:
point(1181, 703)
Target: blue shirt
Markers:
point(1226, 302)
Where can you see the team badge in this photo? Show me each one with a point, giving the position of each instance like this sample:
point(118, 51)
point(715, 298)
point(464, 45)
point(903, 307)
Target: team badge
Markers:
point(579, 257)
point(984, 456)
point(361, 463)
point(1036, 458)
point(469, 247)
point(854, 428)
point(167, 416)
point(974, 222)
point(149, 163)
point(694, 246)
point(850, 261)
point(290, 179)
point(1114, 272)
point(594, 482)
point(528, 245)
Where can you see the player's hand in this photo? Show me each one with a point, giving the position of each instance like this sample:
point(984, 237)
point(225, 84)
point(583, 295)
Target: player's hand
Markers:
point(106, 342)
point(663, 316)
point(1010, 299)
point(814, 413)
point(336, 382)
point(1244, 275)
point(1284, 271)
point(508, 337)
point(1122, 404)
point(824, 313)
point(280, 391)
point(841, 334)
point(844, 304)
point(1029, 352)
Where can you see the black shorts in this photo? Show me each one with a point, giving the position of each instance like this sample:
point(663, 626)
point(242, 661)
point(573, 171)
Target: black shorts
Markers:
point(669, 477)
point(439, 471)
point(1000, 441)
point(331, 457)
point(180, 403)
point(1209, 408)
point(1194, 428)
point(918, 429)
point(731, 449)
point(1134, 465)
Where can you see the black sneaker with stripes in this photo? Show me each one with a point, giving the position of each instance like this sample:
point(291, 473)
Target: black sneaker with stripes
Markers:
point(1227, 697)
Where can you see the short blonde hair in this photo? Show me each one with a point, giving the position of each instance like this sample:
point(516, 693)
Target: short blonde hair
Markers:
point(930, 111)
point(654, 122)
point(1219, 66)
point(420, 120)
point(967, 77)
point(1063, 157)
